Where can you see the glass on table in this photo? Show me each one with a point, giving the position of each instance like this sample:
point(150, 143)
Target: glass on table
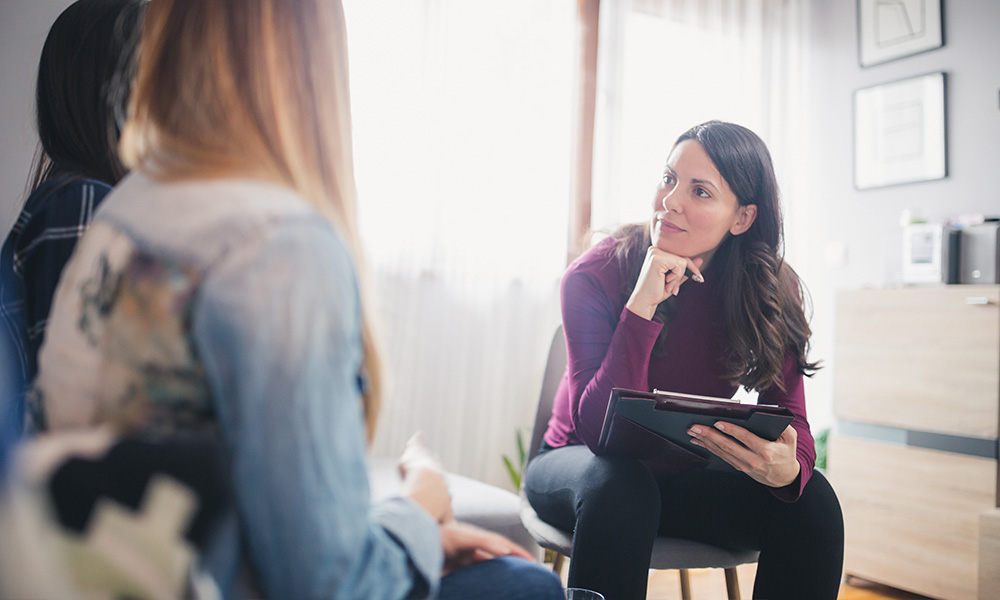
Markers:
point(582, 594)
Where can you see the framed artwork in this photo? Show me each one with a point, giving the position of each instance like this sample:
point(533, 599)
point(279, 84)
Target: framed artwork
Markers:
point(899, 132)
point(890, 29)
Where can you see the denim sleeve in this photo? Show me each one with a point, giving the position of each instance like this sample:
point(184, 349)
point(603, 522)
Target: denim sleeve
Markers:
point(277, 327)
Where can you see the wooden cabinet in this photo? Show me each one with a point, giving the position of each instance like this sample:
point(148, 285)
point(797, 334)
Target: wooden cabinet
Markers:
point(989, 555)
point(913, 456)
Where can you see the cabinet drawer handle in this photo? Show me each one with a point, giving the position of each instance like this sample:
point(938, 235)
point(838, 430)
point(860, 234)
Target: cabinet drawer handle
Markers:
point(978, 300)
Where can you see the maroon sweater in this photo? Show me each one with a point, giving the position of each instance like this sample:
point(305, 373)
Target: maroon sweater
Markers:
point(609, 346)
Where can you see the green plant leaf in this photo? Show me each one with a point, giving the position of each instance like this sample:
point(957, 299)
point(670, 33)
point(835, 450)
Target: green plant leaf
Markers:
point(821, 442)
point(520, 447)
point(515, 475)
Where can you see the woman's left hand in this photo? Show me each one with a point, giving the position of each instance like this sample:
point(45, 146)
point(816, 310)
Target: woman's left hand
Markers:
point(772, 463)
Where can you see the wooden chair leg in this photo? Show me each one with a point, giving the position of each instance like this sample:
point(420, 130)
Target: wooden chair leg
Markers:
point(557, 564)
point(732, 584)
point(685, 584)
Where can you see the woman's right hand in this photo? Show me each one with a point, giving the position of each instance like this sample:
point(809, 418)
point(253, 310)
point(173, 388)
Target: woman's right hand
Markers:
point(662, 276)
point(423, 479)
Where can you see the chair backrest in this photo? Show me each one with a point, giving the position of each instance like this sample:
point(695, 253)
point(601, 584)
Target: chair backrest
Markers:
point(555, 366)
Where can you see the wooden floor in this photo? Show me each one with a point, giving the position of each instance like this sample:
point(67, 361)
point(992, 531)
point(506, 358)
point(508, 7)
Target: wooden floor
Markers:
point(710, 584)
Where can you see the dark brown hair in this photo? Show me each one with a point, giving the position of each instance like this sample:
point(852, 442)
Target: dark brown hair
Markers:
point(84, 77)
point(763, 298)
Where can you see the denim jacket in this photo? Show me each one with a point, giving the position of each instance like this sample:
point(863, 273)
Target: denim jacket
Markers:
point(230, 308)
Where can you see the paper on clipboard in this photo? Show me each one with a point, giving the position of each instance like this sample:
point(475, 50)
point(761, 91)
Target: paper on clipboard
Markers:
point(652, 426)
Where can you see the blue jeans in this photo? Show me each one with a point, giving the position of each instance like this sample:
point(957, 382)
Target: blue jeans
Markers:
point(505, 578)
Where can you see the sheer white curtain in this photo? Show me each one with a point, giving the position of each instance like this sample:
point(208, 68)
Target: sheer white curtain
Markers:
point(462, 126)
point(666, 65)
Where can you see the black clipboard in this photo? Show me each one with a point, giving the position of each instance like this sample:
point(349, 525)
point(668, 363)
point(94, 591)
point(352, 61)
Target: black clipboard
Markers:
point(652, 426)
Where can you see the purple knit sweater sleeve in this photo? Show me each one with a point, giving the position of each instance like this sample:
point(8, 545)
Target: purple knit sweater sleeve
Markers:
point(794, 399)
point(604, 349)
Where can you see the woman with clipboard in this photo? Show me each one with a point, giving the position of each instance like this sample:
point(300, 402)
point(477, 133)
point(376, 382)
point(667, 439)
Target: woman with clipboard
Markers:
point(698, 301)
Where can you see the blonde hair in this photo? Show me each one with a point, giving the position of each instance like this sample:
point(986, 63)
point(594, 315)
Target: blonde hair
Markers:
point(256, 88)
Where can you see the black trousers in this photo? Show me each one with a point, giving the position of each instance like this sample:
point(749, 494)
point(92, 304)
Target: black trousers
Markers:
point(616, 508)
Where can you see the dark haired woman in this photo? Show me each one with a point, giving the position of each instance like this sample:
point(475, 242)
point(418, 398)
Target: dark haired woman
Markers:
point(82, 90)
point(697, 301)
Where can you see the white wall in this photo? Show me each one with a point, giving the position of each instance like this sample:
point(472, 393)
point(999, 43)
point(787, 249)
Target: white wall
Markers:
point(23, 26)
point(867, 222)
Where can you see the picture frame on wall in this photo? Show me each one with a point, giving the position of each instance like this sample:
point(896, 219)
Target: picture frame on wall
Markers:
point(891, 29)
point(899, 132)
